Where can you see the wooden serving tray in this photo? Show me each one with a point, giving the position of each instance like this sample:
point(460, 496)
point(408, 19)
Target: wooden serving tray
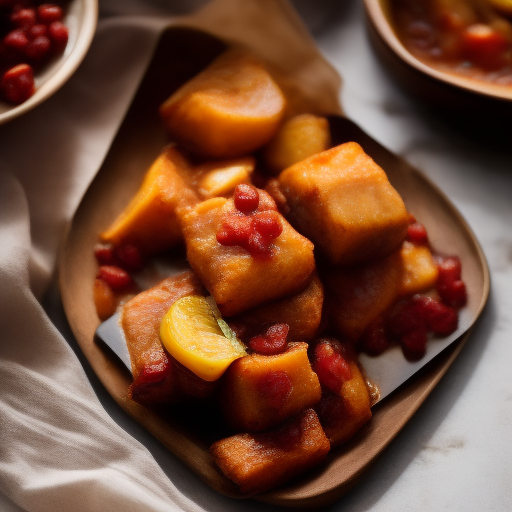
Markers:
point(313, 86)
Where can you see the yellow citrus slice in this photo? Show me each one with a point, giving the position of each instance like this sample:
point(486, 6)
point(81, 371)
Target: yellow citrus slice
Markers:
point(197, 338)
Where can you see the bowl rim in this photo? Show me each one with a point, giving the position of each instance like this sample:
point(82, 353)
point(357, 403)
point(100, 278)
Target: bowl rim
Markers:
point(376, 14)
point(66, 65)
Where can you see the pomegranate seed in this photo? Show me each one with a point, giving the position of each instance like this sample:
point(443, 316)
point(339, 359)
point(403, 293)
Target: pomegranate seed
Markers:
point(414, 344)
point(38, 49)
point(59, 36)
point(442, 320)
point(48, 13)
point(272, 342)
point(17, 84)
point(453, 293)
point(417, 234)
point(449, 269)
point(406, 316)
point(275, 387)
point(23, 18)
point(16, 40)
point(330, 366)
point(115, 277)
point(105, 254)
point(37, 30)
point(130, 257)
point(246, 198)
point(374, 340)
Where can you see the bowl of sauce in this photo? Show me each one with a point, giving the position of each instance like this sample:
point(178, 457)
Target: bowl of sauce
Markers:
point(457, 53)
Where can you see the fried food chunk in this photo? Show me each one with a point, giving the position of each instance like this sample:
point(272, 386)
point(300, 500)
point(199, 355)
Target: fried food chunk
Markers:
point(342, 200)
point(302, 312)
point(157, 377)
point(359, 294)
point(342, 415)
point(256, 462)
point(150, 219)
point(297, 139)
point(259, 391)
point(230, 109)
point(236, 279)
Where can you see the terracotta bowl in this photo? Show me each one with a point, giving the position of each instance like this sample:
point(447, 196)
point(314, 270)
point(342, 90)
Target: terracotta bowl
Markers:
point(459, 94)
point(81, 18)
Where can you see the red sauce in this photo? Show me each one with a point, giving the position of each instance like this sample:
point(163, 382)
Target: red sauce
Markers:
point(275, 387)
point(252, 226)
point(330, 365)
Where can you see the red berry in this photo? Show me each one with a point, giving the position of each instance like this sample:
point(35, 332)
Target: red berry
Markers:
point(115, 277)
point(130, 257)
point(442, 320)
point(417, 234)
point(59, 36)
point(38, 49)
point(374, 339)
point(246, 198)
point(414, 344)
point(105, 254)
point(23, 18)
point(406, 316)
point(16, 40)
point(37, 30)
point(449, 268)
point(453, 293)
point(48, 13)
point(17, 84)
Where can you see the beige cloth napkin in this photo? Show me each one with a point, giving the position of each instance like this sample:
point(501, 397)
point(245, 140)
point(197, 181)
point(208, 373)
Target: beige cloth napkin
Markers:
point(59, 449)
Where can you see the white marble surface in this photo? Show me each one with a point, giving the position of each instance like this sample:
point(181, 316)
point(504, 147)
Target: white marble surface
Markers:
point(455, 453)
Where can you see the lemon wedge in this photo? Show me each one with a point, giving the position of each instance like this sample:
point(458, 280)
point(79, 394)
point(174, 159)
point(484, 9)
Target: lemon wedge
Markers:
point(199, 339)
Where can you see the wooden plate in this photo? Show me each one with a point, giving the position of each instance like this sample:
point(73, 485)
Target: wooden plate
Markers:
point(181, 53)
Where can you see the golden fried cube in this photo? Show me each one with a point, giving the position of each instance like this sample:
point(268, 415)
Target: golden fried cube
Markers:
point(357, 295)
point(257, 462)
point(236, 279)
point(302, 312)
point(343, 414)
point(259, 391)
point(298, 138)
point(150, 219)
point(342, 200)
point(158, 378)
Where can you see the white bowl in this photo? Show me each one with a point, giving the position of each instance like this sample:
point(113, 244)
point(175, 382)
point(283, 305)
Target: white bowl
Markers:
point(81, 18)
